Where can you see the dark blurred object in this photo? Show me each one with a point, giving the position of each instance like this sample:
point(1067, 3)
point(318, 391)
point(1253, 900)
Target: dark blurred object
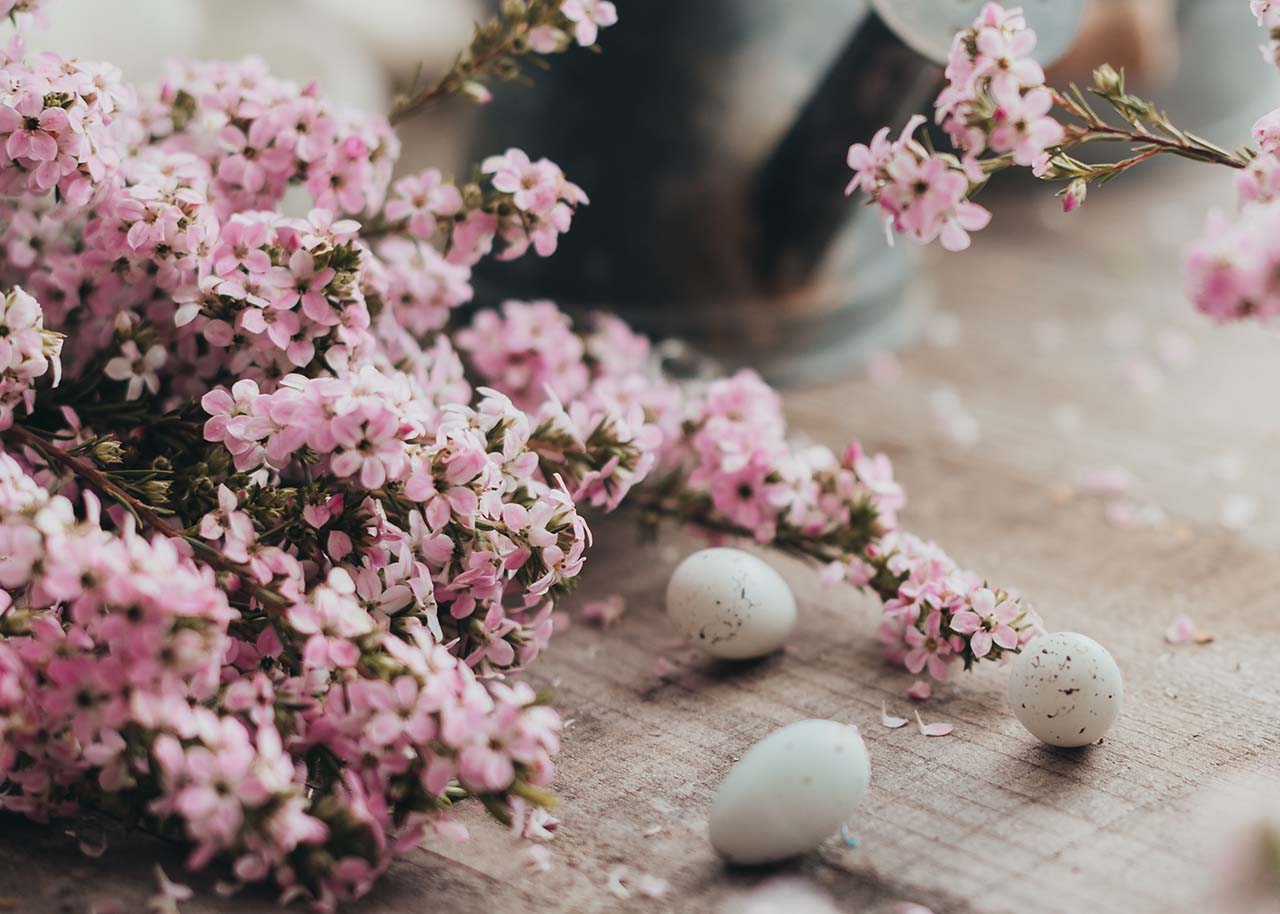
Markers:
point(711, 136)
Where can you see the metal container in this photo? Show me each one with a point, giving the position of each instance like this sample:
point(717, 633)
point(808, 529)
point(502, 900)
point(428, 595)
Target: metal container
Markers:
point(711, 137)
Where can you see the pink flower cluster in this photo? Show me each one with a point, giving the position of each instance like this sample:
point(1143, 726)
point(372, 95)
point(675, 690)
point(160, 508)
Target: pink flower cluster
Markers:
point(920, 193)
point(528, 204)
point(1268, 13)
point(941, 614)
point(55, 118)
point(125, 670)
point(305, 658)
point(994, 104)
point(283, 295)
point(1233, 271)
point(466, 517)
point(259, 134)
point(421, 202)
point(157, 227)
point(995, 98)
point(527, 350)
point(593, 406)
point(540, 193)
point(303, 670)
point(413, 285)
point(27, 352)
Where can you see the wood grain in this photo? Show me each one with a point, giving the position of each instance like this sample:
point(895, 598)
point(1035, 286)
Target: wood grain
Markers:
point(986, 821)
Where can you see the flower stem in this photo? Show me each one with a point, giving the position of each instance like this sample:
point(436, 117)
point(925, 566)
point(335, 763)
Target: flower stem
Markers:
point(1147, 144)
point(144, 514)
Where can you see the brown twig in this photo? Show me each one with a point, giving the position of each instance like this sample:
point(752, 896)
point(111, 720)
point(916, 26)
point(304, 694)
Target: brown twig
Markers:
point(103, 483)
point(94, 477)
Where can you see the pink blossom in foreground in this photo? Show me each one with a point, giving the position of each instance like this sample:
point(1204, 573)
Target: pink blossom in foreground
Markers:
point(1231, 270)
point(1267, 11)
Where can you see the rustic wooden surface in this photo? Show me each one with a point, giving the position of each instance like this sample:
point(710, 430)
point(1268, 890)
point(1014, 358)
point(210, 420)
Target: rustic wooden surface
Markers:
point(1042, 322)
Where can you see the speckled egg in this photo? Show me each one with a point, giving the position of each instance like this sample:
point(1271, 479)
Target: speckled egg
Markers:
point(790, 792)
point(1066, 689)
point(731, 604)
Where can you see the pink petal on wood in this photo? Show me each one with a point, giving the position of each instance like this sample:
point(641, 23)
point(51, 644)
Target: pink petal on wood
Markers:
point(935, 729)
point(1181, 630)
point(888, 720)
point(920, 690)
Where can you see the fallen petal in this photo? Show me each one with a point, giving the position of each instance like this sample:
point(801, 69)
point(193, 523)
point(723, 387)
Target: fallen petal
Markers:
point(920, 690)
point(1181, 630)
point(909, 907)
point(664, 668)
point(888, 720)
point(1107, 480)
point(935, 729)
point(605, 612)
point(614, 882)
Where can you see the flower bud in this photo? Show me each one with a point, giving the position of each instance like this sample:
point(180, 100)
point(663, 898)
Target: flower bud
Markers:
point(1074, 195)
point(107, 451)
point(1107, 81)
point(124, 322)
point(477, 92)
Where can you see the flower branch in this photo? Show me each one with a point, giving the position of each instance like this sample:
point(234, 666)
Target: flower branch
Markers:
point(499, 48)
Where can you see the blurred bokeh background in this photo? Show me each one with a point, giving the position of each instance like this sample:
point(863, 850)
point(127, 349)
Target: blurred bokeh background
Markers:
point(709, 134)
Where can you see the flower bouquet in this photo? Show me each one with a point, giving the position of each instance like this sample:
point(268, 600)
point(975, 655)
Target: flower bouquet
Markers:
point(278, 529)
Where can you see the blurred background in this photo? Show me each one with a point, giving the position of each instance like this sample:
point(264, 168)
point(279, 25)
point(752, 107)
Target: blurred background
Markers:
point(710, 136)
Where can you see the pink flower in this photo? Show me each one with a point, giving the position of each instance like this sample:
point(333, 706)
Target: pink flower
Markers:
point(534, 186)
point(1024, 126)
point(987, 623)
point(1003, 56)
point(420, 200)
point(928, 648)
point(1267, 11)
point(923, 195)
point(867, 161)
point(138, 369)
point(308, 288)
point(590, 16)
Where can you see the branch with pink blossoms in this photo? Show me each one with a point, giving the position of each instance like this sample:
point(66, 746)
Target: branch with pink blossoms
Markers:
point(524, 29)
point(511, 198)
point(716, 456)
point(997, 113)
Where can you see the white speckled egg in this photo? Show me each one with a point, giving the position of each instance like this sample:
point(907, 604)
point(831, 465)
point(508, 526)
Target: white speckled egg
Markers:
point(731, 604)
point(790, 792)
point(1066, 689)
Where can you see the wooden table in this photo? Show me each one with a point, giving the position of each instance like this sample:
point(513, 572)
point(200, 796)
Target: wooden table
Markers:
point(986, 821)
